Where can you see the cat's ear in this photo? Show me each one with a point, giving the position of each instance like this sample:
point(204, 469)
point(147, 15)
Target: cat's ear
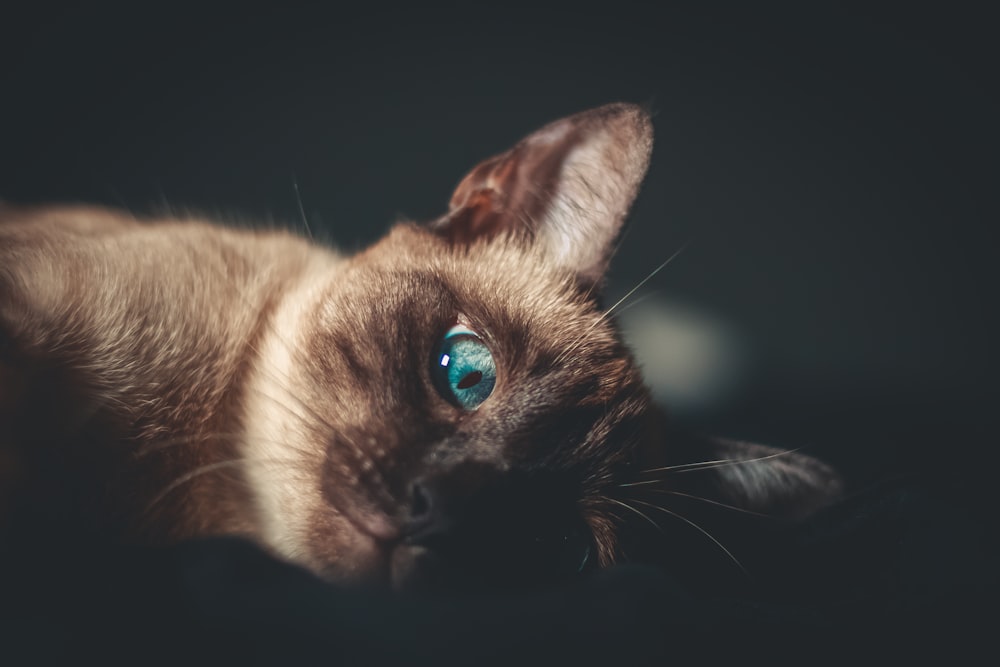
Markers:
point(784, 484)
point(567, 186)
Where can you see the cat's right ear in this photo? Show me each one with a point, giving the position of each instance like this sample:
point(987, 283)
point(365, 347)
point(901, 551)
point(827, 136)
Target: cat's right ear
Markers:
point(567, 186)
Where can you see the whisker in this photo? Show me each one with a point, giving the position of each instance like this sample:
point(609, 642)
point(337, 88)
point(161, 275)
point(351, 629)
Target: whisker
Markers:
point(645, 482)
point(356, 450)
point(636, 302)
point(632, 509)
point(183, 440)
point(712, 502)
point(154, 447)
point(280, 383)
point(709, 465)
point(197, 472)
point(699, 529)
point(208, 468)
point(607, 313)
point(642, 282)
point(158, 446)
point(302, 210)
point(292, 412)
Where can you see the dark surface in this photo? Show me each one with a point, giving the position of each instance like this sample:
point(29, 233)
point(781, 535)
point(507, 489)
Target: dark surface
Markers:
point(894, 573)
point(834, 167)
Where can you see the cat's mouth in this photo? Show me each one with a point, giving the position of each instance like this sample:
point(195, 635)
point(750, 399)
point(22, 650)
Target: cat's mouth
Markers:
point(375, 525)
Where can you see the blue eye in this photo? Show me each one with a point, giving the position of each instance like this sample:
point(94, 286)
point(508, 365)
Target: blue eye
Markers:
point(463, 369)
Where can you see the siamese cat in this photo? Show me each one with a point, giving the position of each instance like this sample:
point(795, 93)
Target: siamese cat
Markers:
point(451, 404)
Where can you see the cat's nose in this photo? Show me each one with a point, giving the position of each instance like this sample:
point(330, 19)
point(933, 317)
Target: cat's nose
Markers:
point(422, 504)
point(442, 501)
point(429, 524)
point(430, 513)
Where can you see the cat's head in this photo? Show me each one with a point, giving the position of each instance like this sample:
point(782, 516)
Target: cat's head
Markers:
point(454, 404)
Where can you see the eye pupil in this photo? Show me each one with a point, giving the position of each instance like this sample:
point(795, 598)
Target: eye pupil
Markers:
point(470, 380)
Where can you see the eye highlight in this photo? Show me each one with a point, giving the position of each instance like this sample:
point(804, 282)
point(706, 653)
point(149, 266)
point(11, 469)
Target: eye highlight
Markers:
point(463, 369)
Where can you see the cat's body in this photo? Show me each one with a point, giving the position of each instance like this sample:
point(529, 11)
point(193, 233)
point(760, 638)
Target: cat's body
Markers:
point(161, 380)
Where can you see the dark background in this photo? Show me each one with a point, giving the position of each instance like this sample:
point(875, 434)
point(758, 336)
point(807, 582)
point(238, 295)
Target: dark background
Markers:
point(833, 167)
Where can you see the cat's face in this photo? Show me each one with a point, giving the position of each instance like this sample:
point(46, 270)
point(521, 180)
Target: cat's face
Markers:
point(452, 404)
point(464, 400)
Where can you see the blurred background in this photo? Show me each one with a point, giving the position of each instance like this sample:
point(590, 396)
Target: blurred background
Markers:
point(832, 169)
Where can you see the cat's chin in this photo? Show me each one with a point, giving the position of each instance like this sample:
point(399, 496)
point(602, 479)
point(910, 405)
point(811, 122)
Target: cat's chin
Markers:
point(330, 545)
point(394, 564)
point(367, 563)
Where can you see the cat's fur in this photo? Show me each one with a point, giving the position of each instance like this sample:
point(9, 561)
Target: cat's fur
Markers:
point(168, 379)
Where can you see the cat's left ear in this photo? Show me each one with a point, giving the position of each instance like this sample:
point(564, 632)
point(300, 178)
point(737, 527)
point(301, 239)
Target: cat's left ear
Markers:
point(567, 186)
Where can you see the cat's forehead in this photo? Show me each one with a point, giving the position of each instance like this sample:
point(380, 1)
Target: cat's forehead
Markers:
point(503, 277)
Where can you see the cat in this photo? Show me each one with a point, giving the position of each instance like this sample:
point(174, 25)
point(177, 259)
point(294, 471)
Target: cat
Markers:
point(448, 405)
